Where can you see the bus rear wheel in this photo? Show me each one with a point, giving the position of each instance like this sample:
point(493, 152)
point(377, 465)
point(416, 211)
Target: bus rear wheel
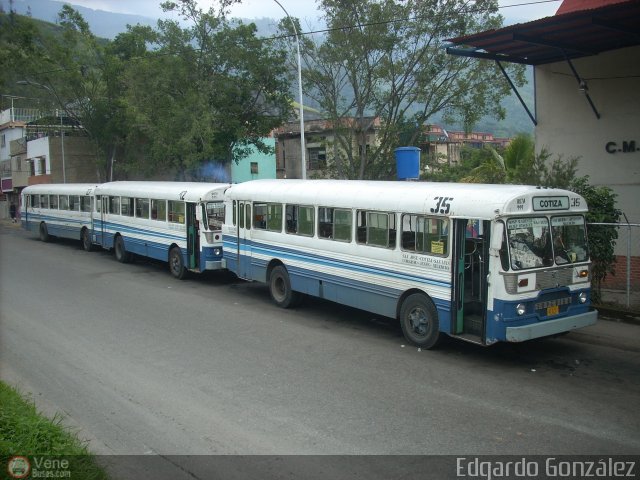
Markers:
point(85, 238)
point(176, 264)
point(280, 288)
point(419, 321)
point(120, 251)
point(44, 232)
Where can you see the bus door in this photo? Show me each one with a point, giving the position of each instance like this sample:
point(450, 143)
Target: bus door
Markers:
point(244, 239)
point(24, 209)
point(193, 236)
point(103, 221)
point(470, 269)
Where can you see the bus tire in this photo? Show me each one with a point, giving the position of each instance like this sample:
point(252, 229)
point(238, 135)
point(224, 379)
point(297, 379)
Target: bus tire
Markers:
point(419, 321)
point(120, 251)
point(44, 232)
point(280, 288)
point(176, 264)
point(85, 238)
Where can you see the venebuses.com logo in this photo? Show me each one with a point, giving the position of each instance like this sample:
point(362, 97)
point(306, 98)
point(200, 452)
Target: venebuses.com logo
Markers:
point(18, 467)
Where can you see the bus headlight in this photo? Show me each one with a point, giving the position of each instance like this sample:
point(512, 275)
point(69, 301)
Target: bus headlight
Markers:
point(521, 309)
point(217, 252)
point(582, 297)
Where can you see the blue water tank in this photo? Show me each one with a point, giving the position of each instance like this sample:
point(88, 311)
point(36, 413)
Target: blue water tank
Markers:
point(408, 163)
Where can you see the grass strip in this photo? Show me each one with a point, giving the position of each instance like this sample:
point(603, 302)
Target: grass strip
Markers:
point(46, 443)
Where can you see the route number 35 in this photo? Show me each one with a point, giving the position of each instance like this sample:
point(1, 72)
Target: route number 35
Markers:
point(443, 205)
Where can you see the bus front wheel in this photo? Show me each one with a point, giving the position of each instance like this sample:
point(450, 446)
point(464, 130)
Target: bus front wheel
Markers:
point(44, 232)
point(176, 264)
point(419, 321)
point(86, 240)
point(280, 288)
point(120, 251)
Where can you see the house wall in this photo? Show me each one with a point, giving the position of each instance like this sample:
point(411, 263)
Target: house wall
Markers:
point(266, 165)
point(37, 149)
point(79, 159)
point(8, 135)
point(609, 147)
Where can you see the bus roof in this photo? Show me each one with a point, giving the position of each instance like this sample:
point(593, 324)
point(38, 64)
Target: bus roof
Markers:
point(60, 189)
point(466, 200)
point(188, 191)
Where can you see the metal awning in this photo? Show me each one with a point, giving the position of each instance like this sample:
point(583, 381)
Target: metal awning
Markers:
point(564, 36)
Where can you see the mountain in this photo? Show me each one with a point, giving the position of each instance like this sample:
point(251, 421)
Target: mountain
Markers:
point(103, 24)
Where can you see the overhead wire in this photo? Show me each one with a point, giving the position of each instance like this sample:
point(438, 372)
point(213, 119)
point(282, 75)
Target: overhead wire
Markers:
point(472, 9)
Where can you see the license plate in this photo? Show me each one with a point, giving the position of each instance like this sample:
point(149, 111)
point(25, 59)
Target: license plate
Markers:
point(555, 310)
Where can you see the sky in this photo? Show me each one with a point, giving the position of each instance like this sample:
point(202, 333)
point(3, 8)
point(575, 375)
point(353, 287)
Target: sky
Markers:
point(305, 10)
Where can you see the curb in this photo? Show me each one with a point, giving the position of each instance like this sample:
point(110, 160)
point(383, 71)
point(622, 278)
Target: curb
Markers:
point(618, 314)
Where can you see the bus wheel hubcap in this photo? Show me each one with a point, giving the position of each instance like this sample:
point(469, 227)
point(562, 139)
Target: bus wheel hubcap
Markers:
point(419, 321)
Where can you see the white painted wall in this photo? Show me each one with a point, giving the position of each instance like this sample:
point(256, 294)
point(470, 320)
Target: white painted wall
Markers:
point(567, 126)
point(39, 148)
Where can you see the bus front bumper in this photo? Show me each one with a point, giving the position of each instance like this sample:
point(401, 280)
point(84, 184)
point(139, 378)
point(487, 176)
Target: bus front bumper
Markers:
point(551, 327)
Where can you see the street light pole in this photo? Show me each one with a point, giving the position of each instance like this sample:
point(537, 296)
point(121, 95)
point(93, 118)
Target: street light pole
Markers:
point(64, 169)
point(302, 144)
point(36, 84)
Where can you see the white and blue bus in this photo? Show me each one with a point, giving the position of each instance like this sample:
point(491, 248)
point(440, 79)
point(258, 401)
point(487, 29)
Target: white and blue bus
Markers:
point(177, 222)
point(59, 211)
point(484, 263)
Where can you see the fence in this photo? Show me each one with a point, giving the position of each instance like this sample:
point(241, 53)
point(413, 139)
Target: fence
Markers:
point(624, 286)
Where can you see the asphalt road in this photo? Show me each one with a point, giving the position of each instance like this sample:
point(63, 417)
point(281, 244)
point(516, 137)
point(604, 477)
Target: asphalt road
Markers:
point(142, 363)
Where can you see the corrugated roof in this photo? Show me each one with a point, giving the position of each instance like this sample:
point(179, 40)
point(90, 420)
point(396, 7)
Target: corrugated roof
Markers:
point(574, 34)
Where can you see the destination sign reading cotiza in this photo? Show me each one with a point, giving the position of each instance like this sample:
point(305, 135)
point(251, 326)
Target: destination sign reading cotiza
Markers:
point(550, 203)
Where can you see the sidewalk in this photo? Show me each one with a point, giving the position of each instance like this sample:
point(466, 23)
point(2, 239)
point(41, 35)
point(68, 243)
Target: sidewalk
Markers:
point(7, 222)
point(615, 304)
point(611, 333)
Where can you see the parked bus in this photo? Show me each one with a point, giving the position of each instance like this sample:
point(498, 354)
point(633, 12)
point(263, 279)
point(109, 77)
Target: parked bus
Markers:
point(59, 210)
point(178, 222)
point(483, 263)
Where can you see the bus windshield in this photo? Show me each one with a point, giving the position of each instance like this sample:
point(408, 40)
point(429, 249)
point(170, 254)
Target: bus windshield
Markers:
point(533, 244)
point(569, 239)
point(215, 215)
point(529, 242)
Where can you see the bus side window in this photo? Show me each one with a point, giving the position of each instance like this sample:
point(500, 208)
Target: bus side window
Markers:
point(299, 220)
point(142, 208)
point(74, 202)
point(85, 204)
point(260, 216)
point(114, 205)
point(159, 210)
point(334, 223)
point(376, 229)
point(425, 235)
point(247, 216)
point(325, 222)
point(127, 206)
point(63, 202)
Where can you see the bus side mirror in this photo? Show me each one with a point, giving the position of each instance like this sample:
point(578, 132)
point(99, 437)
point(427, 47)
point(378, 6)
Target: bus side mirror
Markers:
point(199, 213)
point(496, 238)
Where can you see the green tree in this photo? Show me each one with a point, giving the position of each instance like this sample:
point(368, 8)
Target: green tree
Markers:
point(386, 60)
point(20, 48)
point(206, 92)
point(75, 76)
point(602, 238)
